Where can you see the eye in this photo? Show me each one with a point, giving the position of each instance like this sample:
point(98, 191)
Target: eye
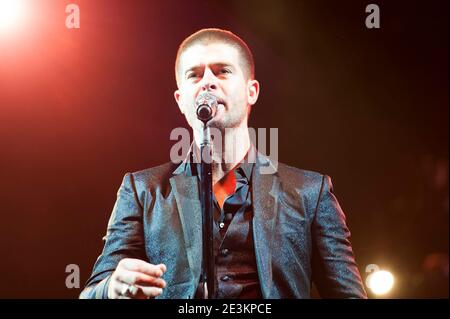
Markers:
point(192, 75)
point(225, 71)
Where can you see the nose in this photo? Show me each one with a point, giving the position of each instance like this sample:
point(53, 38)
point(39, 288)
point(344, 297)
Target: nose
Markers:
point(209, 87)
point(209, 81)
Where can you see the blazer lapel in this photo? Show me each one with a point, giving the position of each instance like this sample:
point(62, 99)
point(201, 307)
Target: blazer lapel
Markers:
point(265, 189)
point(187, 198)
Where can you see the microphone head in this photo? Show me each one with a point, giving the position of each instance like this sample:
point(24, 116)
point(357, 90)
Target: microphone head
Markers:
point(206, 106)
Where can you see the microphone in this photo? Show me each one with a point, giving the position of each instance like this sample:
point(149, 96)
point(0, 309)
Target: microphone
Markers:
point(206, 106)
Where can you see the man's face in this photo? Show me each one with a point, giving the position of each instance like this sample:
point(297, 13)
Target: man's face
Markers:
point(215, 68)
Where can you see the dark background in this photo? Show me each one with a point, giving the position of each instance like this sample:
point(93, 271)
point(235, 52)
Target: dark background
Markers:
point(80, 108)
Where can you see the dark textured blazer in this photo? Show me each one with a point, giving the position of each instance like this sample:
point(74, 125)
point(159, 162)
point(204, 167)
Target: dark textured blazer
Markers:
point(299, 232)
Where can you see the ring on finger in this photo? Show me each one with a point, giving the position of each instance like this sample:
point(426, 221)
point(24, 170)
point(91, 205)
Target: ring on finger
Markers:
point(128, 290)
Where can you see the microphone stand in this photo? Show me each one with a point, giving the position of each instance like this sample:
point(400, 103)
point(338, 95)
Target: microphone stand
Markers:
point(208, 264)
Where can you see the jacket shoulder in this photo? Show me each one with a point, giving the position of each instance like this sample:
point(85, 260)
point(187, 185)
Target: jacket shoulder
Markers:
point(300, 184)
point(153, 176)
point(295, 176)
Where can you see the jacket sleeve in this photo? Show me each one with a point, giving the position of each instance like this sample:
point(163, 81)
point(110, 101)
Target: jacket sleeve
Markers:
point(124, 239)
point(334, 269)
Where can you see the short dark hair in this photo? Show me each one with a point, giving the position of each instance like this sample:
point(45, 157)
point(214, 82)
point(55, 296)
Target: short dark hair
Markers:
point(211, 35)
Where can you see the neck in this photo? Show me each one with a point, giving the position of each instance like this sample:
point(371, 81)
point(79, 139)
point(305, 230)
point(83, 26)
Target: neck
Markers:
point(228, 149)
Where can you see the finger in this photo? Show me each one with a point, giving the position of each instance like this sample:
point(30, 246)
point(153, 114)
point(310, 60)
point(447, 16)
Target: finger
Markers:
point(142, 266)
point(149, 292)
point(162, 267)
point(137, 278)
point(145, 292)
point(154, 282)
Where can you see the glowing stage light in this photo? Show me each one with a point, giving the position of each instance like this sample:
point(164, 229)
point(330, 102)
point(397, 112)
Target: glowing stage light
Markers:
point(380, 282)
point(11, 12)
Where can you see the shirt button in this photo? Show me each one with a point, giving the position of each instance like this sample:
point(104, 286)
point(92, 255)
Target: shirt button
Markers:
point(224, 252)
point(221, 225)
point(225, 278)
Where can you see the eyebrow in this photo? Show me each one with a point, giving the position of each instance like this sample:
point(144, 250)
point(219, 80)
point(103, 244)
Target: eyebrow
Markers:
point(219, 64)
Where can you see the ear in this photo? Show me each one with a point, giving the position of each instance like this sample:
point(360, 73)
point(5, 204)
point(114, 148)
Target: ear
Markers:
point(252, 91)
point(177, 96)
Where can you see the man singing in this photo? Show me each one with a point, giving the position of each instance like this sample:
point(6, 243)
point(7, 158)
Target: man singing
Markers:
point(275, 231)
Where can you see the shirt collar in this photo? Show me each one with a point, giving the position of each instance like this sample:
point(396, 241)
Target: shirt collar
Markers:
point(192, 164)
point(247, 163)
